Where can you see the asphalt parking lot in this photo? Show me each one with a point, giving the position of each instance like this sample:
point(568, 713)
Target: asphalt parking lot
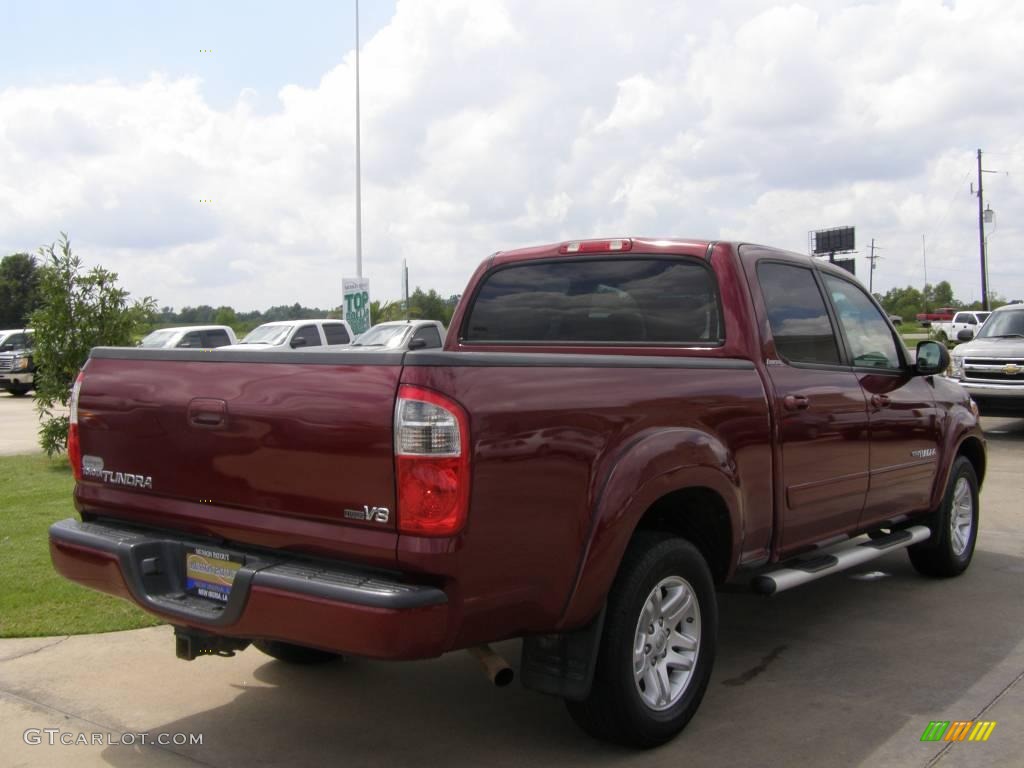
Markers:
point(845, 671)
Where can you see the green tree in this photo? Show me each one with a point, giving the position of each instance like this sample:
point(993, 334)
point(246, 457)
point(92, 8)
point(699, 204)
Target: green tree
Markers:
point(19, 289)
point(78, 310)
point(225, 316)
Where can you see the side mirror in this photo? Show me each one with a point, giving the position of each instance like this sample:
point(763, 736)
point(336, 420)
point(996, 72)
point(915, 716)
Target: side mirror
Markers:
point(965, 335)
point(417, 344)
point(932, 358)
point(298, 341)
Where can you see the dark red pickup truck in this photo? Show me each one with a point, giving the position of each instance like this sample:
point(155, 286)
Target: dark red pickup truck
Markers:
point(612, 429)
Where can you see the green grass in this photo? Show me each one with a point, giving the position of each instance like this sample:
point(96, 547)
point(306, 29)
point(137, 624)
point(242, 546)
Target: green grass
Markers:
point(34, 599)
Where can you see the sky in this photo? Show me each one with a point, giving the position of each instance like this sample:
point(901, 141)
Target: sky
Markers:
point(206, 151)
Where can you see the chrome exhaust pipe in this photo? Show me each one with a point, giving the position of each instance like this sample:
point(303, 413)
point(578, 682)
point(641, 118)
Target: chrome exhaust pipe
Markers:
point(496, 668)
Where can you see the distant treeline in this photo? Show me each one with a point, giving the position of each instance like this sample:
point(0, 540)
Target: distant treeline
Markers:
point(428, 305)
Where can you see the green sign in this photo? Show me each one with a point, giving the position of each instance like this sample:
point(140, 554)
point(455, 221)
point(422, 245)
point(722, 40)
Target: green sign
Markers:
point(356, 303)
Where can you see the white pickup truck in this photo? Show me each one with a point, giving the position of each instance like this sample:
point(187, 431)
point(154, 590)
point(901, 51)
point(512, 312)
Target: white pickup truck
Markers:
point(287, 335)
point(947, 332)
point(402, 335)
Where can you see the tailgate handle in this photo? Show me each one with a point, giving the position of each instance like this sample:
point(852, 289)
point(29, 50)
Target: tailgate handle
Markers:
point(207, 412)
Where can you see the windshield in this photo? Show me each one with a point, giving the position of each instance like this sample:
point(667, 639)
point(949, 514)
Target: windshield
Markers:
point(383, 336)
point(157, 339)
point(268, 334)
point(1003, 324)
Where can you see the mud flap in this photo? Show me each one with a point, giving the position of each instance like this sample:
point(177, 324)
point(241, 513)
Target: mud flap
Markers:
point(562, 664)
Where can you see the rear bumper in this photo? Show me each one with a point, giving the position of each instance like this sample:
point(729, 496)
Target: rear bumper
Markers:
point(333, 607)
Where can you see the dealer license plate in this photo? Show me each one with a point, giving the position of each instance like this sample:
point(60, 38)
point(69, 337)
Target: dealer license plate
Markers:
point(210, 573)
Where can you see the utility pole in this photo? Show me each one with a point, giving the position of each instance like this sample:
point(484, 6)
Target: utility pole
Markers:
point(871, 274)
point(981, 235)
point(924, 258)
point(358, 170)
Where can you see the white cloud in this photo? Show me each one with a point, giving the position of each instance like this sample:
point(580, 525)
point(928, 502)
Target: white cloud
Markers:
point(498, 123)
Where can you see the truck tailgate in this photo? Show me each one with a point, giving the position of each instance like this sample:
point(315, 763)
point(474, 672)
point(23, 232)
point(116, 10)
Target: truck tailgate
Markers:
point(268, 449)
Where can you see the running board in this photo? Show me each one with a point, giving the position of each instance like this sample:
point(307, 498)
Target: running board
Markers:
point(846, 556)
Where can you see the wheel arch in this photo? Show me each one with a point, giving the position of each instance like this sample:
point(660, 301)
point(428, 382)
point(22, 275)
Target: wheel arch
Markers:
point(648, 489)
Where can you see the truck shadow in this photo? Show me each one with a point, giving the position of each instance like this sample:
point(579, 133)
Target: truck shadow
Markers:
point(1003, 430)
point(822, 676)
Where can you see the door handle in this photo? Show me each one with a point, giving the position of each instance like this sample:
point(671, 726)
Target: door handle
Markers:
point(207, 412)
point(795, 402)
point(880, 401)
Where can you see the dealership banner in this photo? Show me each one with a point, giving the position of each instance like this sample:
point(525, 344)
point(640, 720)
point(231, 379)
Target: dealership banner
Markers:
point(356, 303)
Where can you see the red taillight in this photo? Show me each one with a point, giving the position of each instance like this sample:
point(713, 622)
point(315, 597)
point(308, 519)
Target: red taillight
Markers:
point(74, 447)
point(597, 246)
point(431, 462)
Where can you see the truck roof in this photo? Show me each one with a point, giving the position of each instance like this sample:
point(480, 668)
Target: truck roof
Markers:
point(304, 321)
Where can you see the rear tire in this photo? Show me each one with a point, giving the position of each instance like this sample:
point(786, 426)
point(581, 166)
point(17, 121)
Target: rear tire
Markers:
point(657, 647)
point(954, 527)
point(294, 654)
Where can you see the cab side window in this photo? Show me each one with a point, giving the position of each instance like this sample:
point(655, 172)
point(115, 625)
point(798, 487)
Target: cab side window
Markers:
point(310, 334)
point(869, 335)
point(336, 333)
point(429, 334)
point(797, 315)
point(216, 338)
point(192, 339)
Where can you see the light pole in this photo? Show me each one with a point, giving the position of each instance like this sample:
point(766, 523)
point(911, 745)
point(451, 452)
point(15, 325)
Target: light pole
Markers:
point(359, 190)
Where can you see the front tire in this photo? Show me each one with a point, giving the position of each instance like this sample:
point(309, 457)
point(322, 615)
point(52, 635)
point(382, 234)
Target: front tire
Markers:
point(294, 654)
point(954, 527)
point(657, 647)
point(18, 391)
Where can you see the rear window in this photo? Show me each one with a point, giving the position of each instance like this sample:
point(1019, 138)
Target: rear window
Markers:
point(631, 300)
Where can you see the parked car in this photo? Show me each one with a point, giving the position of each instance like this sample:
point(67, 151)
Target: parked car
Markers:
point(612, 429)
point(948, 332)
point(190, 337)
point(402, 335)
point(937, 316)
point(895, 319)
point(991, 366)
point(296, 334)
point(17, 365)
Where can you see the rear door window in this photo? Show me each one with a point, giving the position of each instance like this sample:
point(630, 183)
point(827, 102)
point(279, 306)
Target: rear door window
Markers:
point(336, 333)
point(797, 315)
point(216, 338)
point(657, 301)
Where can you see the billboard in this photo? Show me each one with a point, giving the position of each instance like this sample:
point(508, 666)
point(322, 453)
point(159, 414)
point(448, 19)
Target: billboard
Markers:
point(850, 265)
point(356, 303)
point(834, 240)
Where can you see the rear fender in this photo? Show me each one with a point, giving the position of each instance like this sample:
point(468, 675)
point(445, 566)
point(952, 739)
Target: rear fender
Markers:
point(652, 467)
